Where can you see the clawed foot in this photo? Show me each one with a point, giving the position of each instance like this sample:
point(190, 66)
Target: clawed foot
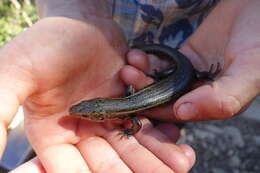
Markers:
point(136, 126)
point(158, 75)
point(126, 133)
point(209, 75)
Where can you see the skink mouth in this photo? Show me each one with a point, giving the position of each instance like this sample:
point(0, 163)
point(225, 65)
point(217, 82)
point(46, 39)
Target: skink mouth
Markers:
point(93, 118)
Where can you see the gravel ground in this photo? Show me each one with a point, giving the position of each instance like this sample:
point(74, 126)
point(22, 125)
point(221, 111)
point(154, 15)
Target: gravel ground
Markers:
point(228, 146)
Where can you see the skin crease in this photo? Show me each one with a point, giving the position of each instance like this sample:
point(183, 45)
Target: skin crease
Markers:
point(229, 35)
point(52, 66)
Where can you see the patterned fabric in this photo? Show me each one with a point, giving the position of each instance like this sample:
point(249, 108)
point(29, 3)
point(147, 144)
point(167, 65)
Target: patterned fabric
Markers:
point(168, 22)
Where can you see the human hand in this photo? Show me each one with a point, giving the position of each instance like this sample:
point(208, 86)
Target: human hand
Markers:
point(59, 62)
point(53, 65)
point(100, 149)
point(229, 35)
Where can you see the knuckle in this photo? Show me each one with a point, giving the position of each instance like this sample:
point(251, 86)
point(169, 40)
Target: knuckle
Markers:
point(229, 107)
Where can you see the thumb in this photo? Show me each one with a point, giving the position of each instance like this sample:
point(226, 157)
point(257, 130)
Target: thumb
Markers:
point(8, 107)
point(226, 96)
point(15, 86)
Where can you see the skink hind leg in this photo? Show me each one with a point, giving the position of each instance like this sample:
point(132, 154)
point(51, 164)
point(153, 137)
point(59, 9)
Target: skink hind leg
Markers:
point(209, 75)
point(135, 127)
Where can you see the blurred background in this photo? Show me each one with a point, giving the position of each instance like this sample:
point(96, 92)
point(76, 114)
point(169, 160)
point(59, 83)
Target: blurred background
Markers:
point(15, 16)
point(227, 146)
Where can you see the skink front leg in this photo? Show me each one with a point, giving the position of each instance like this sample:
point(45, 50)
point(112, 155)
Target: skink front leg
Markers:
point(136, 126)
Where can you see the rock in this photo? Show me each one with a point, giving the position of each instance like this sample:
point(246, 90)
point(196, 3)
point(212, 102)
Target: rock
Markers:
point(214, 129)
point(234, 135)
point(218, 170)
point(222, 146)
point(190, 138)
point(252, 112)
point(257, 140)
point(230, 152)
point(228, 146)
point(216, 152)
point(234, 162)
point(203, 134)
point(236, 171)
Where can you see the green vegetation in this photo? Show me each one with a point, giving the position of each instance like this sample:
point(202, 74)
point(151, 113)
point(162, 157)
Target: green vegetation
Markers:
point(15, 16)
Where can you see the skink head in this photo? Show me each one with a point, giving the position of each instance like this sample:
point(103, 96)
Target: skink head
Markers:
point(91, 110)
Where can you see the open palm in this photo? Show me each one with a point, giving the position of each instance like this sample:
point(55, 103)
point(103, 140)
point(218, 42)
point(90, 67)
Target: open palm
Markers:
point(60, 62)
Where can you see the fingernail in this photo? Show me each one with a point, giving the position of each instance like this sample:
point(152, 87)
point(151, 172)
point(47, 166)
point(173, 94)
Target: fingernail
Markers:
point(186, 111)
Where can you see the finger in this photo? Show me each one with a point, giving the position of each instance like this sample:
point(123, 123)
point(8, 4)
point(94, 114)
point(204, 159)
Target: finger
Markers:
point(130, 151)
point(170, 130)
point(224, 97)
point(189, 152)
point(100, 156)
point(10, 100)
point(16, 84)
point(63, 158)
point(8, 107)
point(135, 77)
point(139, 60)
point(164, 148)
point(146, 63)
point(163, 112)
point(53, 140)
point(32, 166)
